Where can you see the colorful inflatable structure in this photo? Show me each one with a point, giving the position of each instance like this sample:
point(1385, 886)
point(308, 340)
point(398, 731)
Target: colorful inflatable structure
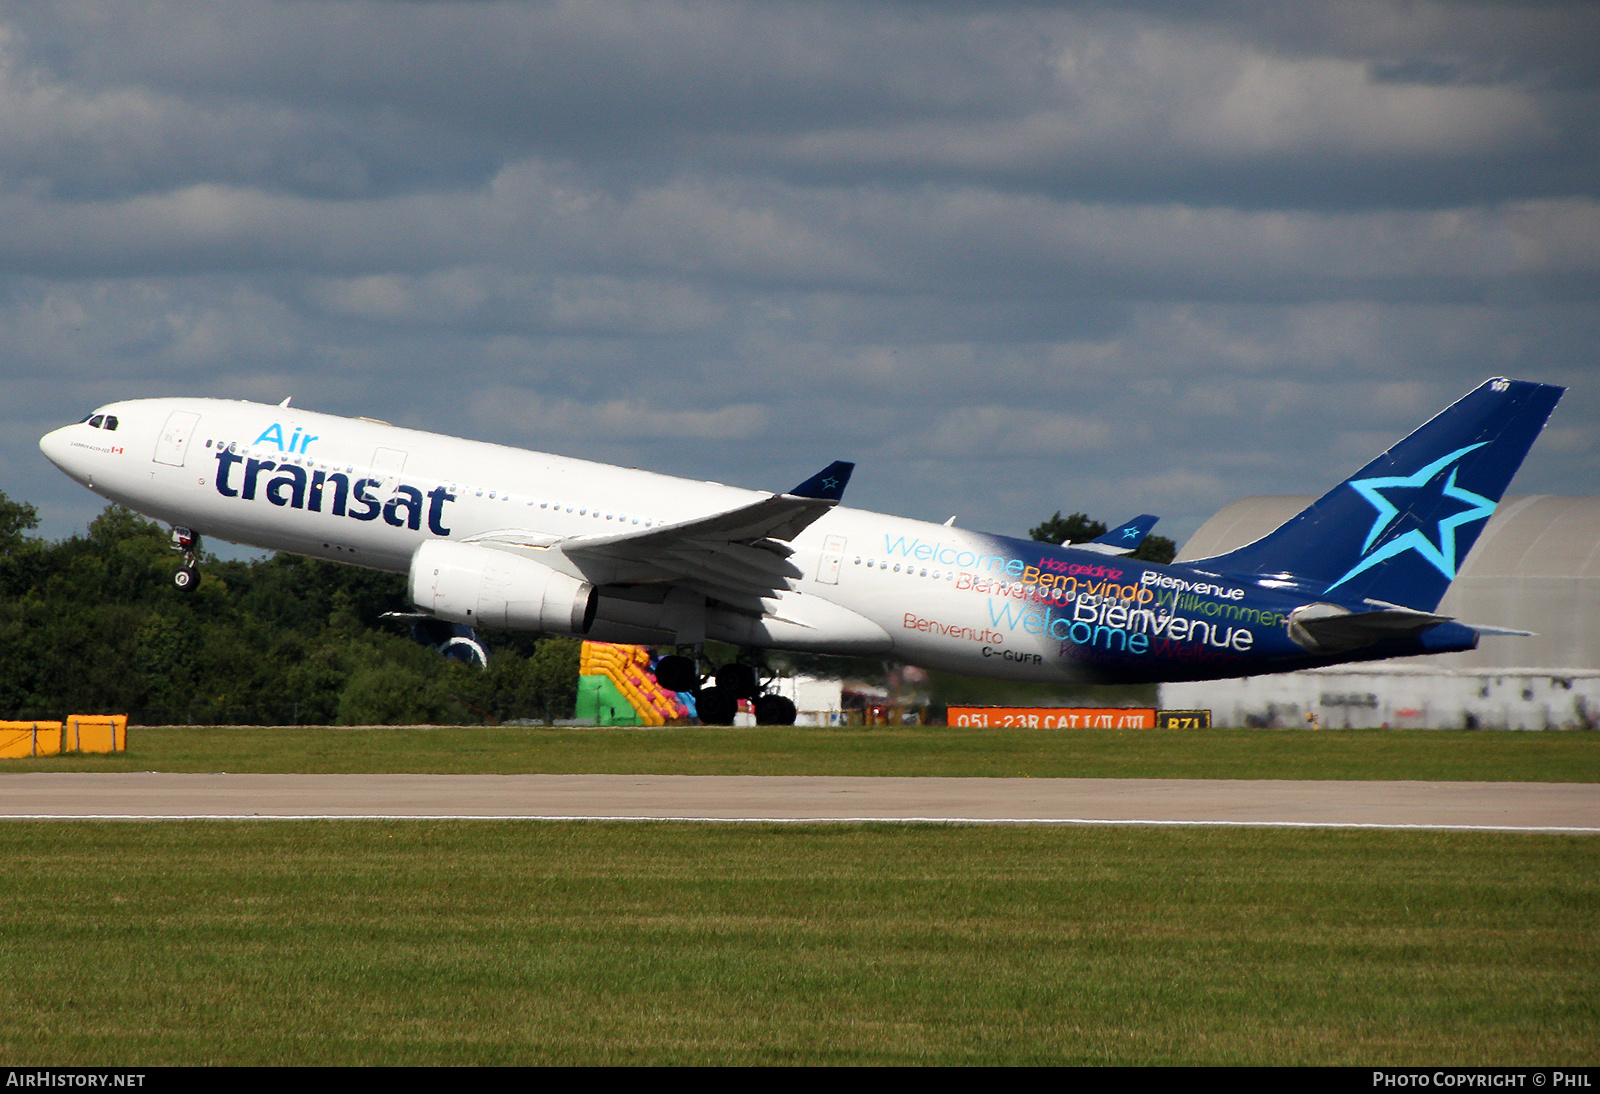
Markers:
point(617, 687)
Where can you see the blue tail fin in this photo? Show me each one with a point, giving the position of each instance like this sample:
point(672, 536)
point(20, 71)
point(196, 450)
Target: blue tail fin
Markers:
point(1123, 539)
point(1398, 529)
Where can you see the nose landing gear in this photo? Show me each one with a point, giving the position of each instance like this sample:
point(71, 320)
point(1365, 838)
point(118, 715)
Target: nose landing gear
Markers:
point(186, 579)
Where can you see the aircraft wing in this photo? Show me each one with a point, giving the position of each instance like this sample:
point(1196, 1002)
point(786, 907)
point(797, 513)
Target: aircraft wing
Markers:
point(737, 556)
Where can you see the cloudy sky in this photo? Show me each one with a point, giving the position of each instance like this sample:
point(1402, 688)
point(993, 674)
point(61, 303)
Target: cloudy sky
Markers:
point(1009, 258)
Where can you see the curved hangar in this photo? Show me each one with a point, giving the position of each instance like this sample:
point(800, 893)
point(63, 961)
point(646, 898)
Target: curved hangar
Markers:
point(1536, 567)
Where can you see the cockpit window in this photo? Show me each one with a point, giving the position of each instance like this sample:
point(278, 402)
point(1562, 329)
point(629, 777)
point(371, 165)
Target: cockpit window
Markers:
point(96, 420)
point(111, 422)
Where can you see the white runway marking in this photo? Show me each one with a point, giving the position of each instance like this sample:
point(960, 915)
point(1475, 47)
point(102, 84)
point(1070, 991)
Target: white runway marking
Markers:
point(955, 821)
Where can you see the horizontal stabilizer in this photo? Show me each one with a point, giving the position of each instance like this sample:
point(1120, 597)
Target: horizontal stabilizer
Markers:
point(1328, 628)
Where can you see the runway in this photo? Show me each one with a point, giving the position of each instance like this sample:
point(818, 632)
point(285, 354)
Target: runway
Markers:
point(1490, 806)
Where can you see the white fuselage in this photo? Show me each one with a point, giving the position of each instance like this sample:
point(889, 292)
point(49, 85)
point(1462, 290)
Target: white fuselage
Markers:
point(368, 493)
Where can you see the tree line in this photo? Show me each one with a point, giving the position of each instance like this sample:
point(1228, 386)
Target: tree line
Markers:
point(91, 624)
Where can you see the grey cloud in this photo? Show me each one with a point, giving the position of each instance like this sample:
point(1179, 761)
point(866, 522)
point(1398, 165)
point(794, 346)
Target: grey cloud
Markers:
point(1011, 259)
point(1089, 103)
point(965, 241)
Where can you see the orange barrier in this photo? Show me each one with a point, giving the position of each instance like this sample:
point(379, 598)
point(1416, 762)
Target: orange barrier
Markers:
point(1053, 717)
point(95, 733)
point(29, 739)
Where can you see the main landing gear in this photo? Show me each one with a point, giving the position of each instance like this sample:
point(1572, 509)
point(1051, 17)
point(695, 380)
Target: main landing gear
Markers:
point(718, 703)
point(186, 542)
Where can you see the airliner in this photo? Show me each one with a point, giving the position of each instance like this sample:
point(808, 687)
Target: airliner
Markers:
point(500, 537)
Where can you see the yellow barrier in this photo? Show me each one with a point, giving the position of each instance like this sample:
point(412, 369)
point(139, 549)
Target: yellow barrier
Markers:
point(29, 739)
point(95, 733)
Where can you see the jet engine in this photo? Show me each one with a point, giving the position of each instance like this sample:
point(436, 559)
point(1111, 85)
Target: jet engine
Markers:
point(483, 587)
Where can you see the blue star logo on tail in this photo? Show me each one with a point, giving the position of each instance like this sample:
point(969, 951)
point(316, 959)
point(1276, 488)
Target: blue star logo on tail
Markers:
point(1439, 550)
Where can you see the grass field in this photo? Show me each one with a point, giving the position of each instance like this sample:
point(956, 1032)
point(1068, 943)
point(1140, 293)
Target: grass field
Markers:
point(504, 943)
point(362, 942)
point(1104, 753)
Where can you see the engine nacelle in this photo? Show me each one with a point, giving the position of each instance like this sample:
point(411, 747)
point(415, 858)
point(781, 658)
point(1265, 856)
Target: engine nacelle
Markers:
point(483, 587)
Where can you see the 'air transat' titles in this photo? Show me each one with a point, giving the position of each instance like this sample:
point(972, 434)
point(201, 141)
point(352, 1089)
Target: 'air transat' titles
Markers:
point(291, 487)
point(273, 435)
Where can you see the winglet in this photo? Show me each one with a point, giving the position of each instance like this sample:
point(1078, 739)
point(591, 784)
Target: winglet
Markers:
point(827, 484)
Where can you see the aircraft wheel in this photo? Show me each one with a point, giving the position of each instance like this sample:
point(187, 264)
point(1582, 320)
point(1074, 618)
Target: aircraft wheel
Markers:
point(739, 680)
point(716, 706)
point(186, 579)
point(774, 710)
point(677, 673)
